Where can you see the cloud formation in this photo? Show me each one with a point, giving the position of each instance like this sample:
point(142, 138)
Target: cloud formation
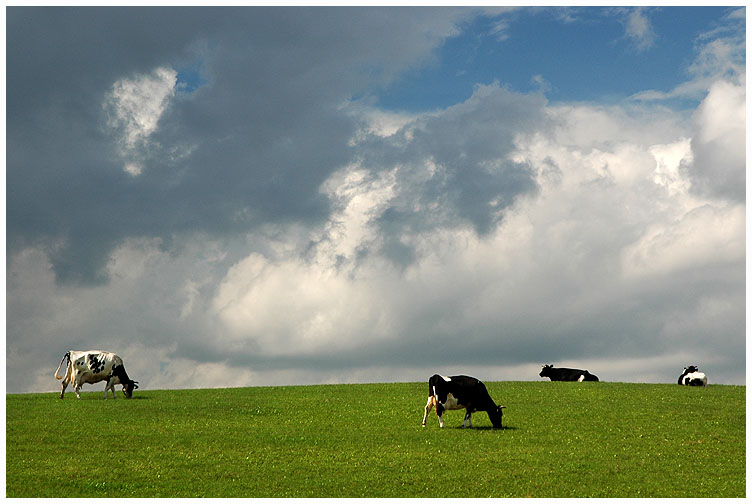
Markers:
point(252, 146)
point(135, 107)
point(638, 29)
point(273, 225)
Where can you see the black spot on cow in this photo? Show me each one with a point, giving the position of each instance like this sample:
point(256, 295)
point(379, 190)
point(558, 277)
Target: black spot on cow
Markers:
point(95, 364)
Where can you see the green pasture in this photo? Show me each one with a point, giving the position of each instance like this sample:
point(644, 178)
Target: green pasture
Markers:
point(559, 440)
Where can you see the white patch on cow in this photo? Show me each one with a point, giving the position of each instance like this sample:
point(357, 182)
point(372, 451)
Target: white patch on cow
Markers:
point(451, 403)
point(446, 378)
point(581, 378)
point(429, 405)
point(695, 376)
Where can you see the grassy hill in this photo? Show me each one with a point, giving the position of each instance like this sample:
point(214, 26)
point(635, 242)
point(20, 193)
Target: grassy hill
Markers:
point(559, 440)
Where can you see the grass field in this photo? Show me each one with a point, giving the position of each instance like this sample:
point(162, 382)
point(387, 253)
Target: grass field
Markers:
point(559, 440)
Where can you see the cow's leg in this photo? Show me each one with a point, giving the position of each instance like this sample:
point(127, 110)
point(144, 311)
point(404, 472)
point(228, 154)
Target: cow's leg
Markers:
point(77, 383)
point(65, 385)
point(109, 385)
point(429, 407)
point(439, 413)
point(468, 419)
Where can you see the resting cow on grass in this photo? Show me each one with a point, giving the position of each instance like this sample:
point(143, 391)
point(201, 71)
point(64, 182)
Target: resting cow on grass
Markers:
point(93, 366)
point(566, 374)
point(461, 392)
point(693, 377)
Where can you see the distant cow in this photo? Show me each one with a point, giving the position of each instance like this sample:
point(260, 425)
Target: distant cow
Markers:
point(93, 366)
point(691, 376)
point(461, 392)
point(566, 374)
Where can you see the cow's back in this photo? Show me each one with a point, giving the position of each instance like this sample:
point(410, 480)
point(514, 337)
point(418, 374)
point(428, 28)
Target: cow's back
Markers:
point(93, 365)
point(567, 374)
point(470, 391)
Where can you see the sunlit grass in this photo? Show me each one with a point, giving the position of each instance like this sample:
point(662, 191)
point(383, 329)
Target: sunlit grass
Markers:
point(559, 440)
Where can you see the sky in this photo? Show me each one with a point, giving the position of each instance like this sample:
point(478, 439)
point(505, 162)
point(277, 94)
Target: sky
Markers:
point(247, 196)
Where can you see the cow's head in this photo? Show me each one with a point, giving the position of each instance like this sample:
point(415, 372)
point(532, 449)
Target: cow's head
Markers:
point(495, 416)
point(690, 369)
point(545, 370)
point(129, 387)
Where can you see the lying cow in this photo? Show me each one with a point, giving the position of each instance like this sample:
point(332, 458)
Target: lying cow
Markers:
point(693, 377)
point(566, 374)
point(93, 366)
point(460, 392)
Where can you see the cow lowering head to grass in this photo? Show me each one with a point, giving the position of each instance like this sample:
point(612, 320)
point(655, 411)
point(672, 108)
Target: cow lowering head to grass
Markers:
point(93, 366)
point(566, 374)
point(460, 392)
point(693, 377)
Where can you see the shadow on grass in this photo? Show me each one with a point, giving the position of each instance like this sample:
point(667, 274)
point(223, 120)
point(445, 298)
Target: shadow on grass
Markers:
point(485, 428)
point(92, 397)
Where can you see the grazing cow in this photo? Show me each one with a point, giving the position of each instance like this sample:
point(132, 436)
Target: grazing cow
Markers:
point(691, 376)
point(566, 374)
point(461, 392)
point(93, 366)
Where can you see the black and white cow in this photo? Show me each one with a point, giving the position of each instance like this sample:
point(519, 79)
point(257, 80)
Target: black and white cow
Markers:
point(566, 374)
point(93, 366)
point(693, 377)
point(461, 392)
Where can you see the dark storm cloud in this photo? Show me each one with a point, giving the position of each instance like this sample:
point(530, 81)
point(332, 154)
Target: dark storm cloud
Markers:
point(454, 170)
point(250, 146)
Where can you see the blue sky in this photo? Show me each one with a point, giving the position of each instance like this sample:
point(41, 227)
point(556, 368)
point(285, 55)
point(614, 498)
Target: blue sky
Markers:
point(286, 195)
point(580, 53)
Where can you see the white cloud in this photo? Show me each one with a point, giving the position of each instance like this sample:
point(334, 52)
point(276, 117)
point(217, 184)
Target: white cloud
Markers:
point(702, 237)
point(720, 57)
point(291, 305)
point(719, 139)
point(295, 308)
point(375, 121)
point(138, 103)
point(638, 28)
point(669, 158)
point(134, 169)
point(359, 198)
point(135, 106)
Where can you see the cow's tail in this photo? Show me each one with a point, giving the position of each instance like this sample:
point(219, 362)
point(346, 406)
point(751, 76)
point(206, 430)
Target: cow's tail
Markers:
point(57, 375)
